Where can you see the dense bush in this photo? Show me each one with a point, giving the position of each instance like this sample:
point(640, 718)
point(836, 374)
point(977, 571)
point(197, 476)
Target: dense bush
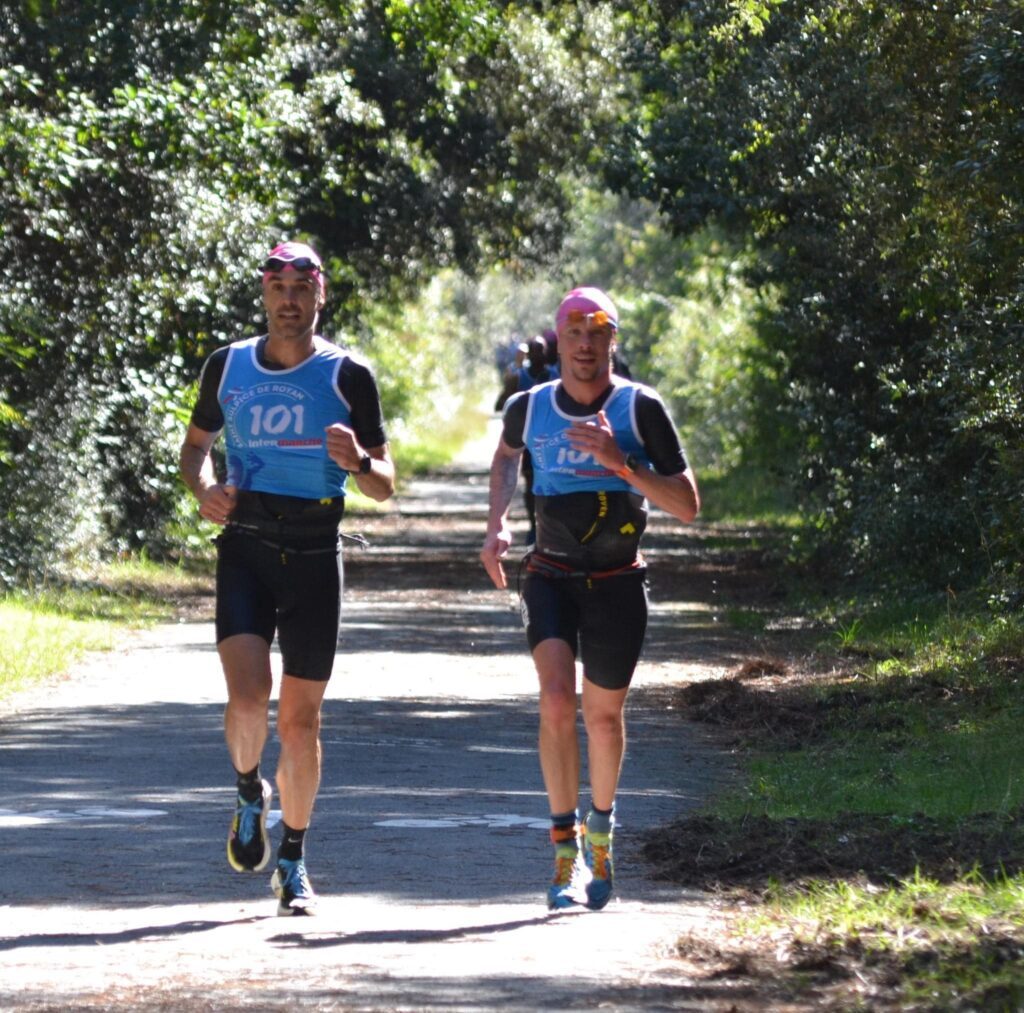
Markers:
point(151, 152)
point(871, 152)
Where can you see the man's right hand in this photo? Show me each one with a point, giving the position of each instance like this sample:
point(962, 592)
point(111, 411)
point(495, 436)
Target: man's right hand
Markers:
point(217, 502)
point(494, 551)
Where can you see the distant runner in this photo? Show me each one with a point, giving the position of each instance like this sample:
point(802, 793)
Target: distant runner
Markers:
point(601, 445)
point(536, 370)
point(299, 416)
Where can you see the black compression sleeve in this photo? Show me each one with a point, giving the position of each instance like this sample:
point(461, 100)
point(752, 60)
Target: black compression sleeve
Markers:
point(207, 414)
point(358, 387)
point(661, 441)
point(514, 420)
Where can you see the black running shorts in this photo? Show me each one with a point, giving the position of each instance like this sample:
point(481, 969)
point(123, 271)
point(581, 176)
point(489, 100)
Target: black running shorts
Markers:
point(262, 588)
point(603, 620)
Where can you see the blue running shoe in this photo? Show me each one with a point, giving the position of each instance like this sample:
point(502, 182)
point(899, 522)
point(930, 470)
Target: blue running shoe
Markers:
point(290, 883)
point(566, 887)
point(597, 853)
point(248, 843)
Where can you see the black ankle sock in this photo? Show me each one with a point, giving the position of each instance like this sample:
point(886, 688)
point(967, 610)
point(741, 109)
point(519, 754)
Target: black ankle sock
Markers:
point(250, 785)
point(292, 842)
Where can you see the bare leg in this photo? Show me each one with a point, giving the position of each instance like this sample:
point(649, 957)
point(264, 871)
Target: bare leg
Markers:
point(298, 727)
point(246, 662)
point(606, 740)
point(559, 748)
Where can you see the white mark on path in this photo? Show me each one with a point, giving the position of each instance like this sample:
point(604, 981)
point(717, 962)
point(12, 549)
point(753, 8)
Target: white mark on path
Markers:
point(493, 820)
point(40, 817)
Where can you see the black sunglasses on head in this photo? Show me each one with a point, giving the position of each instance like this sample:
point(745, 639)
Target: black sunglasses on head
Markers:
point(298, 264)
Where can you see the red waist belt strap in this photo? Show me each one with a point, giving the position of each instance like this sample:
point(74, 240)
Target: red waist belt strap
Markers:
point(552, 568)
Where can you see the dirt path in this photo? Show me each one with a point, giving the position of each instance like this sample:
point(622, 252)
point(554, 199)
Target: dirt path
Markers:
point(429, 844)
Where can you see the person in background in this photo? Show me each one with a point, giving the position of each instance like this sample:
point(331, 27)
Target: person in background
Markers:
point(536, 370)
point(510, 375)
point(300, 417)
point(602, 446)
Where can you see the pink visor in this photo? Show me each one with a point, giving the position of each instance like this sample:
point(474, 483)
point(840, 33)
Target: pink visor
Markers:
point(586, 303)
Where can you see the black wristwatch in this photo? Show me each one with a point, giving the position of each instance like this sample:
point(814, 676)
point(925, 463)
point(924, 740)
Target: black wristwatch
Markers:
point(365, 464)
point(629, 465)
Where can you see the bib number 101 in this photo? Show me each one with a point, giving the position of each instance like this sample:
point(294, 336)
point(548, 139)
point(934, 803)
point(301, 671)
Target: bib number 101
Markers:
point(276, 420)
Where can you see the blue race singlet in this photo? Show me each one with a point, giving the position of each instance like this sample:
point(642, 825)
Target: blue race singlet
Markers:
point(559, 469)
point(274, 421)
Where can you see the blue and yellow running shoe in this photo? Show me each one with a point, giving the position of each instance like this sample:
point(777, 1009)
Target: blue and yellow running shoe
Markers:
point(566, 886)
point(248, 843)
point(597, 854)
point(290, 883)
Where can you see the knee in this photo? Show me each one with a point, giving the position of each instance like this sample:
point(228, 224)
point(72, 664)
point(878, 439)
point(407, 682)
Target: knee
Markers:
point(558, 708)
point(605, 726)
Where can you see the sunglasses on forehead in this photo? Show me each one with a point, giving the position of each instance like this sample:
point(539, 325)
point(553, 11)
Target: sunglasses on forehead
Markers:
point(596, 319)
point(298, 264)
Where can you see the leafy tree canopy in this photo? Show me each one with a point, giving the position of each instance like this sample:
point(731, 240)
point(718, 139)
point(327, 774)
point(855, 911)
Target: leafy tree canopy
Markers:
point(151, 152)
point(871, 151)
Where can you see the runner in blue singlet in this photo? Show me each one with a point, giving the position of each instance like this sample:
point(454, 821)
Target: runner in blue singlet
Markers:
point(300, 418)
point(601, 446)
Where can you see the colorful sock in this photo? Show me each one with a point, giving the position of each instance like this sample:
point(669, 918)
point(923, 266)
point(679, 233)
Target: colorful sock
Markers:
point(601, 821)
point(292, 843)
point(250, 785)
point(563, 829)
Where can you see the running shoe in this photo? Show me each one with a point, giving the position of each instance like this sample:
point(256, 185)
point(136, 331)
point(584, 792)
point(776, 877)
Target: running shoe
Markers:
point(597, 854)
point(566, 886)
point(248, 843)
point(290, 883)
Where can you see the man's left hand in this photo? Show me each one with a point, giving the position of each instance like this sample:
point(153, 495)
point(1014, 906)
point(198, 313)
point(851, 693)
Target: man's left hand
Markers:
point(342, 447)
point(597, 440)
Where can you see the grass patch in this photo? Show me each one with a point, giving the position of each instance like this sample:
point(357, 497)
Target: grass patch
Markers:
point(746, 620)
point(39, 643)
point(880, 822)
point(928, 722)
point(951, 945)
point(48, 630)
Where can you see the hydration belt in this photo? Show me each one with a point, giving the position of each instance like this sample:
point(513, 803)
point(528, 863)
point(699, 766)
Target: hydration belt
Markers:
point(281, 536)
point(552, 568)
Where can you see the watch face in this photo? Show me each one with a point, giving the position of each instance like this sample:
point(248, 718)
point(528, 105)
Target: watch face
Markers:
point(365, 464)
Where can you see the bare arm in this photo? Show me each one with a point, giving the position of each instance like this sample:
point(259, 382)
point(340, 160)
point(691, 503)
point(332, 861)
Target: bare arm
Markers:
point(503, 483)
point(379, 482)
point(345, 450)
point(216, 501)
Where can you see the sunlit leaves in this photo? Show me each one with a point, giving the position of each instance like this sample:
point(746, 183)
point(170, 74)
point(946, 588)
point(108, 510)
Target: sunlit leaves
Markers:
point(150, 151)
point(872, 151)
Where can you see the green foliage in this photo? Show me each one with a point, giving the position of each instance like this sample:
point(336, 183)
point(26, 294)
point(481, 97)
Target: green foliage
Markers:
point(867, 150)
point(429, 370)
point(149, 155)
point(687, 327)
